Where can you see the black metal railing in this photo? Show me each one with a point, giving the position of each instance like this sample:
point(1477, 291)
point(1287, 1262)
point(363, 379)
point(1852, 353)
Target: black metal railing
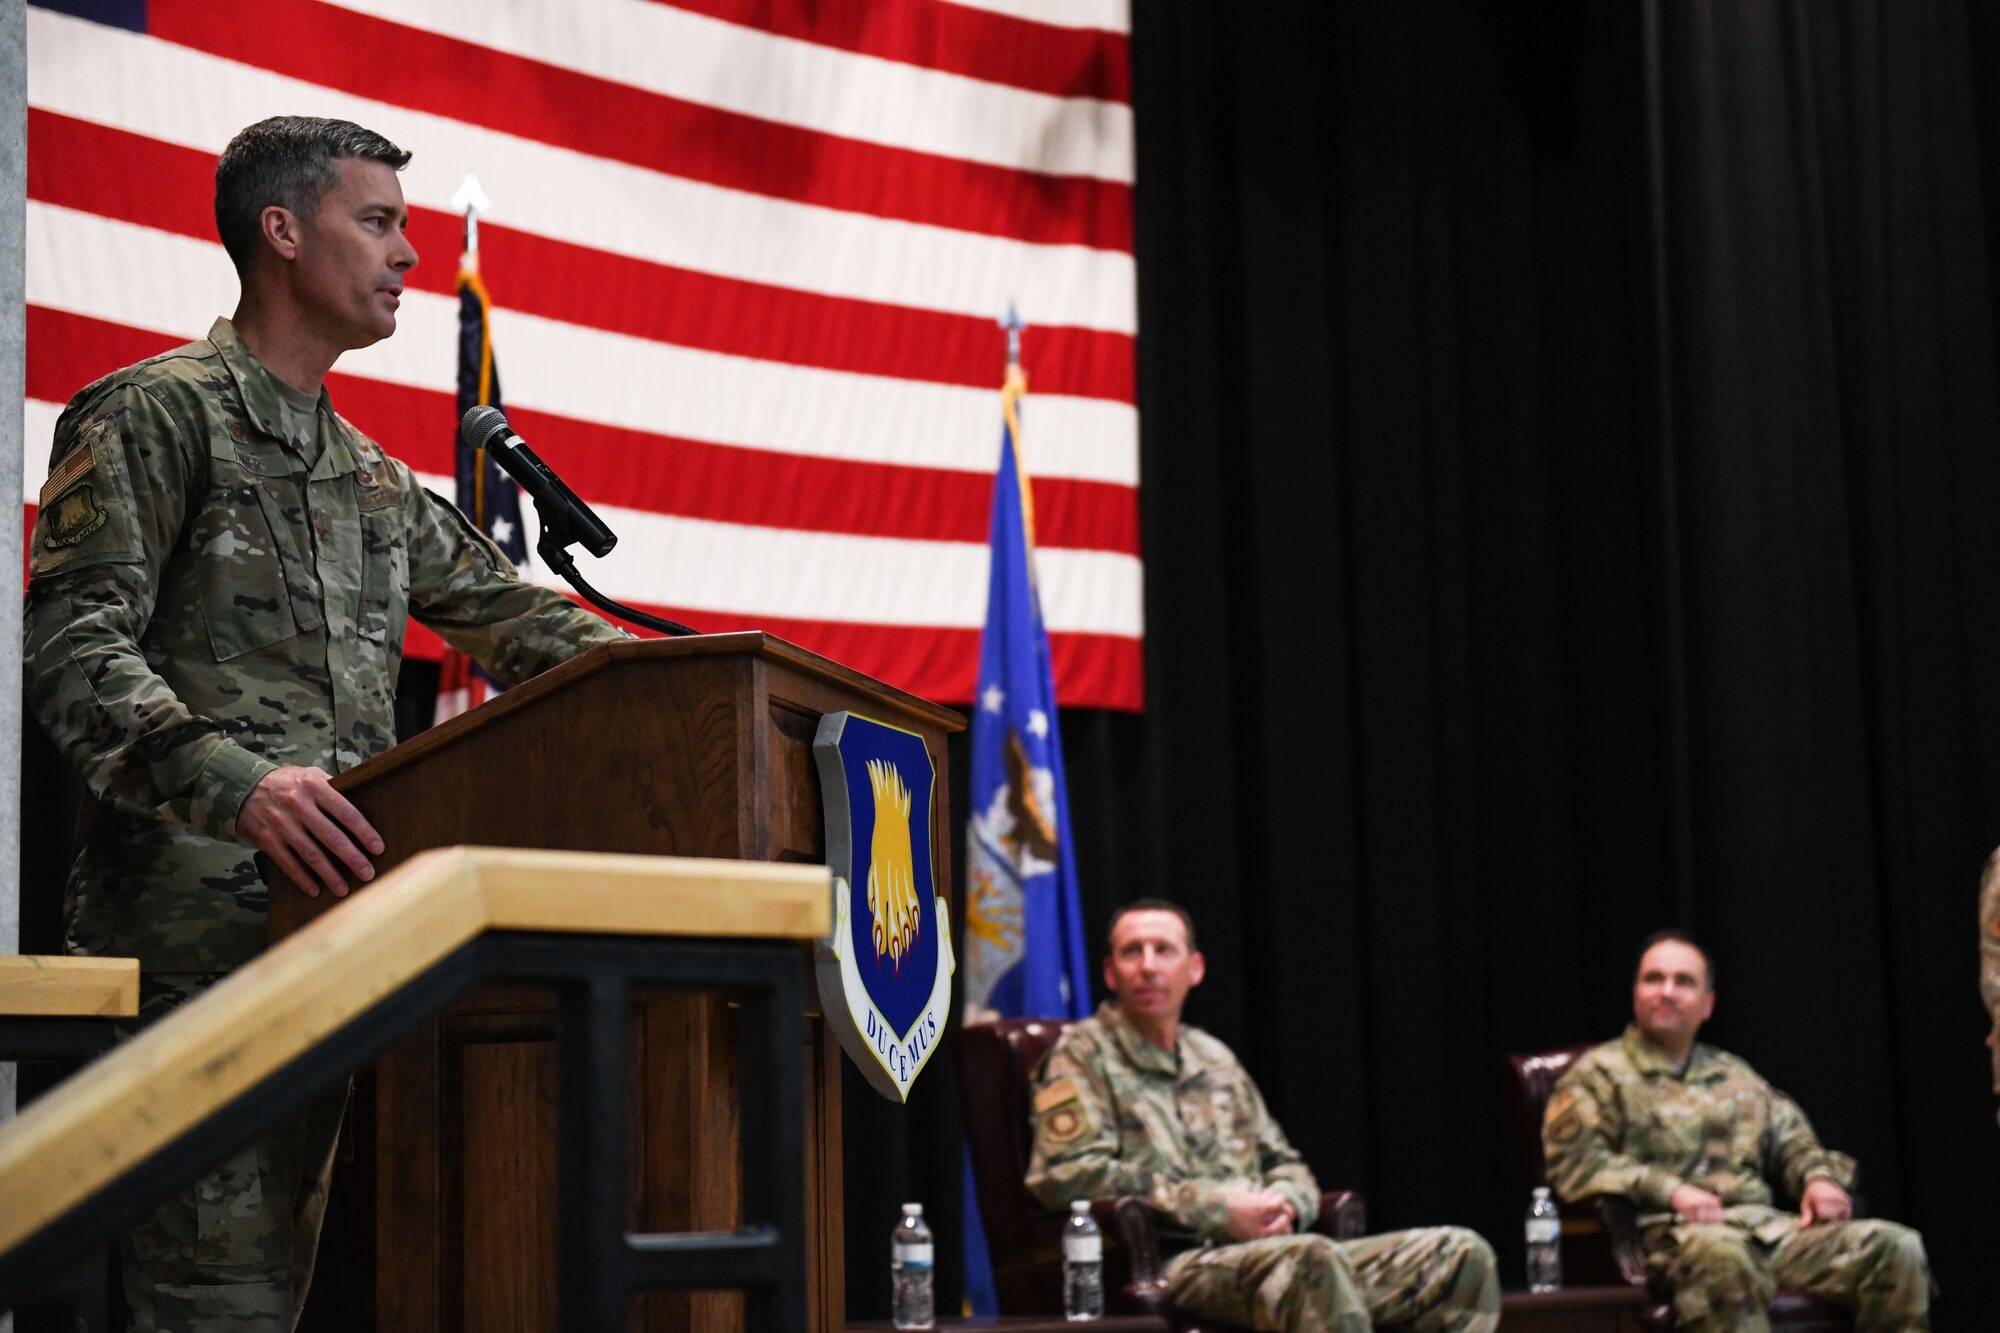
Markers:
point(600, 1264)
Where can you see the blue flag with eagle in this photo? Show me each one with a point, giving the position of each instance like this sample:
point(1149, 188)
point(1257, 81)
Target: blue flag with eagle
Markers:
point(1024, 945)
point(489, 497)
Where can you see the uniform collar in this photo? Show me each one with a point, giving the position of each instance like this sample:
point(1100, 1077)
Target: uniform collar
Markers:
point(1702, 1063)
point(1139, 1051)
point(264, 407)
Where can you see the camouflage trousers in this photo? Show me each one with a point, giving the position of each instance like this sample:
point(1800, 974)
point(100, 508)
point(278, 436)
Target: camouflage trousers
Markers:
point(234, 1250)
point(1723, 1276)
point(1431, 1280)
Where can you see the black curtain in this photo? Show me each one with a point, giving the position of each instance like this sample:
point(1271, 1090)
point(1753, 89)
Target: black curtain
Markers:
point(1569, 456)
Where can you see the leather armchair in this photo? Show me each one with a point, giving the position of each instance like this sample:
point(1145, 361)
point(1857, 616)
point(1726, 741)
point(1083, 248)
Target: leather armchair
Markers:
point(1600, 1235)
point(996, 1061)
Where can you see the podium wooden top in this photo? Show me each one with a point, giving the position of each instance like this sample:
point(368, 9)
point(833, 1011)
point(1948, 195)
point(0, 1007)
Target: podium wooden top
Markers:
point(698, 746)
point(898, 705)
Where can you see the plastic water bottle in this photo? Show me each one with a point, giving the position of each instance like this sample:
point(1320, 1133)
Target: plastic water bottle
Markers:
point(912, 1293)
point(1545, 1264)
point(1083, 1264)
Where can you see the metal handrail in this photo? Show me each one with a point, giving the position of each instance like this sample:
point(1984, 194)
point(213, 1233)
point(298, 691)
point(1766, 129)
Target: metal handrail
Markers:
point(102, 1148)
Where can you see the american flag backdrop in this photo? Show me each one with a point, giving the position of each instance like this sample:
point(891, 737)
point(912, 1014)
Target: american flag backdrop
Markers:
point(747, 258)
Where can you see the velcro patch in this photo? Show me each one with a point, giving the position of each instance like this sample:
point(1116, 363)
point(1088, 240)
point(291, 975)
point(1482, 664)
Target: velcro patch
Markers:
point(1065, 1123)
point(1566, 1123)
point(1060, 1112)
point(73, 469)
point(1058, 1092)
point(73, 517)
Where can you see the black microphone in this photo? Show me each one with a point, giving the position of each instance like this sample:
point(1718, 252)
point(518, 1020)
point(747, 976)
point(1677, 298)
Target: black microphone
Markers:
point(486, 428)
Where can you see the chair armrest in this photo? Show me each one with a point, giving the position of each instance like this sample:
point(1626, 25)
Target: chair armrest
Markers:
point(1127, 1222)
point(1130, 1234)
point(1343, 1215)
point(1621, 1228)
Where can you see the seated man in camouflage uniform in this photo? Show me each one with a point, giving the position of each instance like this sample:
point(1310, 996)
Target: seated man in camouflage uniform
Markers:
point(1131, 1101)
point(1699, 1143)
point(221, 572)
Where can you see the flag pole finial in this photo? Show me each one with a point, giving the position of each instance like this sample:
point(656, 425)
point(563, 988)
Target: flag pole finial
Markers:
point(1015, 326)
point(471, 200)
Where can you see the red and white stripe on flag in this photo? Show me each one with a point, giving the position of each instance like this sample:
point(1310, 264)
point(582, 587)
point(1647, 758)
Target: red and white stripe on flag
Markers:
point(748, 255)
point(461, 687)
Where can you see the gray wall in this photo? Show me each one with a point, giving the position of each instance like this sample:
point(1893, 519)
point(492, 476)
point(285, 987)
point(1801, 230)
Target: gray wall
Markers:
point(13, 345)
point(13, 373)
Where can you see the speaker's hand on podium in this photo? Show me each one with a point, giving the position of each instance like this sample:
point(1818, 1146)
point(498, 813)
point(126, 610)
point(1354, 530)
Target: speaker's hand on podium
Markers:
point(295, 817)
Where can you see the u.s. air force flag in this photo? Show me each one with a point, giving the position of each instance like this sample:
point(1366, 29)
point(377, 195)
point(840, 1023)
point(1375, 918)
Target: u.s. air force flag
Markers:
point(1024, 943)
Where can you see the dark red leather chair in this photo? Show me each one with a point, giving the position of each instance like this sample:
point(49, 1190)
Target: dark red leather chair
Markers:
point(1600, 1235)
point(996, 1061)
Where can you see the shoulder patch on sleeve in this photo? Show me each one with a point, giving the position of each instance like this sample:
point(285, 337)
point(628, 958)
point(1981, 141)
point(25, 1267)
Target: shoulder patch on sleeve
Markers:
point(1054, 1095)
point(84, 509)
point(1565, 1128)
point(1563, 1121)
point(76, 465)
point(73, 517)
point(1061, 1115)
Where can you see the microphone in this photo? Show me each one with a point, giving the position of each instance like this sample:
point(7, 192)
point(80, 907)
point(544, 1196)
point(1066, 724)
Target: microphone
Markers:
point(561, 511)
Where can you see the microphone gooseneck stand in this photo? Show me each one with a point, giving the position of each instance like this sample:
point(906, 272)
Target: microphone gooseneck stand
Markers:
point(553, 548)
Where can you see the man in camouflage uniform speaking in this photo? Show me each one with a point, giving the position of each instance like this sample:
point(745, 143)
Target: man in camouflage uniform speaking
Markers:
point(1697, 1141)
point(221, 572)
point(1131, 1101)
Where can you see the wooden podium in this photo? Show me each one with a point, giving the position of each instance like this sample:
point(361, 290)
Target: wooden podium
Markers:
point(688, 747)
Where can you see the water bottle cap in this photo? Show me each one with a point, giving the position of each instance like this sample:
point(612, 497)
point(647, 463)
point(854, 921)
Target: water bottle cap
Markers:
point(1541, 1191)
point(1079, 1206)
point(913, 1210)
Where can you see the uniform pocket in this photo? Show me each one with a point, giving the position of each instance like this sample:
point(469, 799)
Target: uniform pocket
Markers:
point(228, 1218)
point(245, 598)
point(385, 578)
point(224, 1305)
point(241, 1213)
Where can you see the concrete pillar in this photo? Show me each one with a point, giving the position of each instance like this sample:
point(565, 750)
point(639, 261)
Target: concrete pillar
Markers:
point(13, 378)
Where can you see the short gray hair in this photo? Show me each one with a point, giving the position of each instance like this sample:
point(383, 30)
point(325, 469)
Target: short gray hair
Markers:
point(286, 161)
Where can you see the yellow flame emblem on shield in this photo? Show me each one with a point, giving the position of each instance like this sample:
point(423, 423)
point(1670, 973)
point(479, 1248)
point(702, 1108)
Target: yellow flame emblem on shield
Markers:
point(892, 878)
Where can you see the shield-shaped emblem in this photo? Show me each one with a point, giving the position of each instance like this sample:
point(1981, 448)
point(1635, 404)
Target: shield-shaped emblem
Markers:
point(885, 969)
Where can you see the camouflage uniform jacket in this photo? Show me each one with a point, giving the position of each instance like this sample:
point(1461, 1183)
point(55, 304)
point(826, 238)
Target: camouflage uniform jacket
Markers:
point(1624, 1120)
point(1115, 1114)
point(203, 607)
